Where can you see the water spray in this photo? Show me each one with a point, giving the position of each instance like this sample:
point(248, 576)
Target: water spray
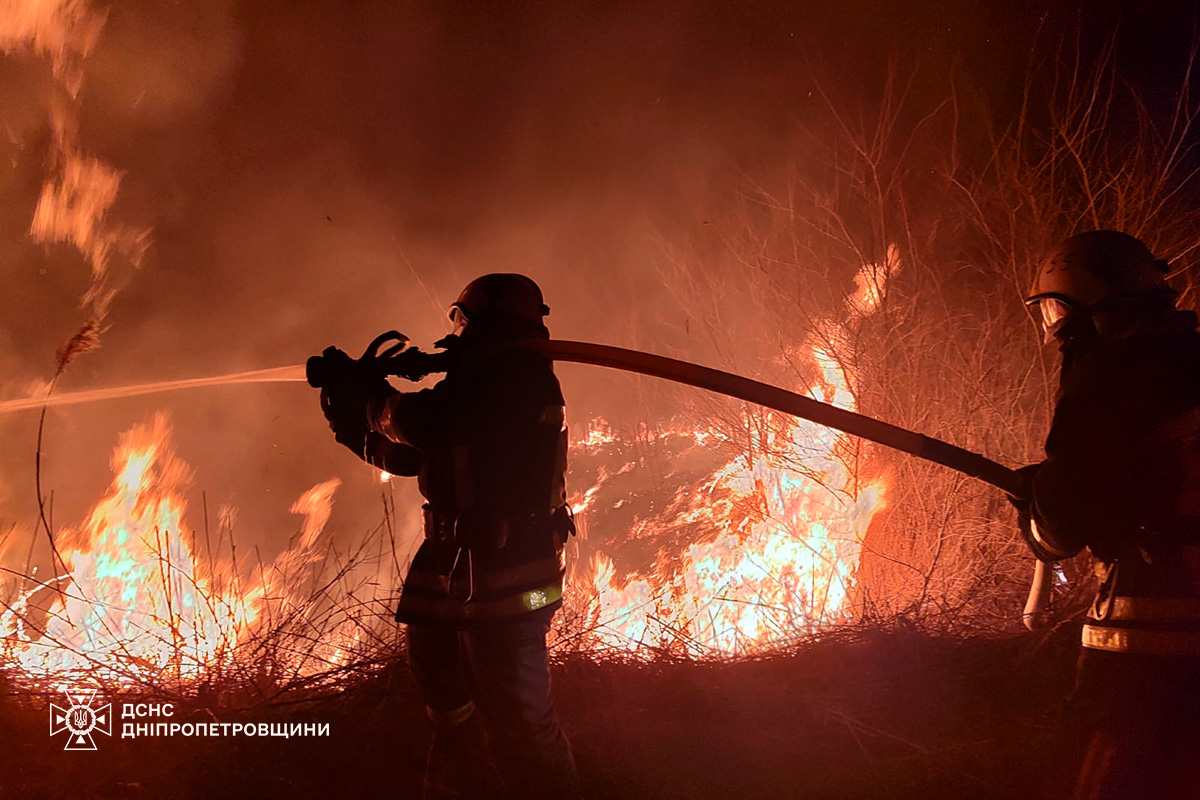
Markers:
point(293, 374)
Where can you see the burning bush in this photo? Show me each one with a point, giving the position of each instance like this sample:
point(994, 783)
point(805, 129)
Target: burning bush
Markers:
point(750, 541)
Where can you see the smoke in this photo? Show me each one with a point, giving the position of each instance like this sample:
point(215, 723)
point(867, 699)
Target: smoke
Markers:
point(74, 203)
point(315, 173)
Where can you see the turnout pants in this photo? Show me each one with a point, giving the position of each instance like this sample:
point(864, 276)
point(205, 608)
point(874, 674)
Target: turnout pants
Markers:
point(1138, 733)
point(487, 690)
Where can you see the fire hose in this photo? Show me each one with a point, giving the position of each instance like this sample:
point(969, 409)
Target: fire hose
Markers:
point(413, 364)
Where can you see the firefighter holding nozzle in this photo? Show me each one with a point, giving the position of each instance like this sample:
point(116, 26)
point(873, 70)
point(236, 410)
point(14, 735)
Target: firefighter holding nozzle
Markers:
point(488, 446)
point(1121, 478)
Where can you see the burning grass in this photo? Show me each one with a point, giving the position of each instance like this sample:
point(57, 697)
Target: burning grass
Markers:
point(143, 604)
point(745, 549)
point(853, 709)
point(859, 710)
point(739, 560)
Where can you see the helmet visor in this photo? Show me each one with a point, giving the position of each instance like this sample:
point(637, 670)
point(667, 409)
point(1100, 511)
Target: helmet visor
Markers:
point(1053, 311)
point(458, 317)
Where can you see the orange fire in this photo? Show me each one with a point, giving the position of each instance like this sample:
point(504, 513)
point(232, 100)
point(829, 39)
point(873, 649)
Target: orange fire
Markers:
point(773, 545)
point(65, 31)
point(137, 603)
point(773, 536)
point(76, 200)
point(761, 550)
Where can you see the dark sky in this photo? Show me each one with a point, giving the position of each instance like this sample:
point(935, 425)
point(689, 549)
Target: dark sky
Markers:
point(316, 172)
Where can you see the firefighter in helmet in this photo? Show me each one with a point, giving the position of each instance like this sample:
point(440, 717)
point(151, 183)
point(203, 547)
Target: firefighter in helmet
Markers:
point(488, 445)
point(1121, 478)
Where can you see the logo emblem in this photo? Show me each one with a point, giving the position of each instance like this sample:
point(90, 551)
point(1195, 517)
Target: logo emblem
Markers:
point(79, 719)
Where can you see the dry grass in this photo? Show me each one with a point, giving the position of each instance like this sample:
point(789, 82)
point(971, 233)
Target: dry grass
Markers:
point(887, 713)
point(324, 622)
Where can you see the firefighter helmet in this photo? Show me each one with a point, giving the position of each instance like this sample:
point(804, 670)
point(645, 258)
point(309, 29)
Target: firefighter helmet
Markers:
point(1091, 268)
point(506, 292)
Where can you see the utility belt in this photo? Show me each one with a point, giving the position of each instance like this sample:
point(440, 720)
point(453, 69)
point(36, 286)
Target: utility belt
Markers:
point(496, 567)
point(493, 532)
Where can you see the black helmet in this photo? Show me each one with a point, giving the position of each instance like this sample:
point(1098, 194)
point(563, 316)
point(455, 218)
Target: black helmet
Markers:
point(505, 292)
point(1092, 268)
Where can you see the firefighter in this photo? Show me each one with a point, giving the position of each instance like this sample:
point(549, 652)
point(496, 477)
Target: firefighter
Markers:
point(488, 445)
point(1121, 478)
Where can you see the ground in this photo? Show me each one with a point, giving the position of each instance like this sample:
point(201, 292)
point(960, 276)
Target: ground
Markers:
point(888, 713)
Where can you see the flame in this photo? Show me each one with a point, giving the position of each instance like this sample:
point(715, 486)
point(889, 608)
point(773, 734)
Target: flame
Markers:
point(580, 506)
point(777, 545)
point(75, 202)
point(870, 281)
point(71, 210)
point(773, 537)
point(137, 603)
point(63, 30)
point(762, 550)
point(599, 433)
point(316, 505)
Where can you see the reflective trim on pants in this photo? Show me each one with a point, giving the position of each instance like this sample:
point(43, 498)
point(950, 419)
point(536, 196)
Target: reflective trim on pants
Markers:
point(1138, 640)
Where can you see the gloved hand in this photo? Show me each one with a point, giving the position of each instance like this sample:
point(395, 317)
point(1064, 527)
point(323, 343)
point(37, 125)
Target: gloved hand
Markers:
point(1023, 500)
point(414, 365)
point(345, 398)
point(1024, 505)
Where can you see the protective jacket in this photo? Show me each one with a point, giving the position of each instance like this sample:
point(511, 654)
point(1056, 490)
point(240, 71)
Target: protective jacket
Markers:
point(488, 444)
point(1122, 478)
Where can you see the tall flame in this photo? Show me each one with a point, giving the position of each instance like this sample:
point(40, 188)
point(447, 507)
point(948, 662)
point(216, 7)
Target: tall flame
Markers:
point(137, 602)
point(774, 535)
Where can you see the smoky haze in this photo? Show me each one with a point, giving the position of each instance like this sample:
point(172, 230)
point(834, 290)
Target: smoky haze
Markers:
point(318, 172)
